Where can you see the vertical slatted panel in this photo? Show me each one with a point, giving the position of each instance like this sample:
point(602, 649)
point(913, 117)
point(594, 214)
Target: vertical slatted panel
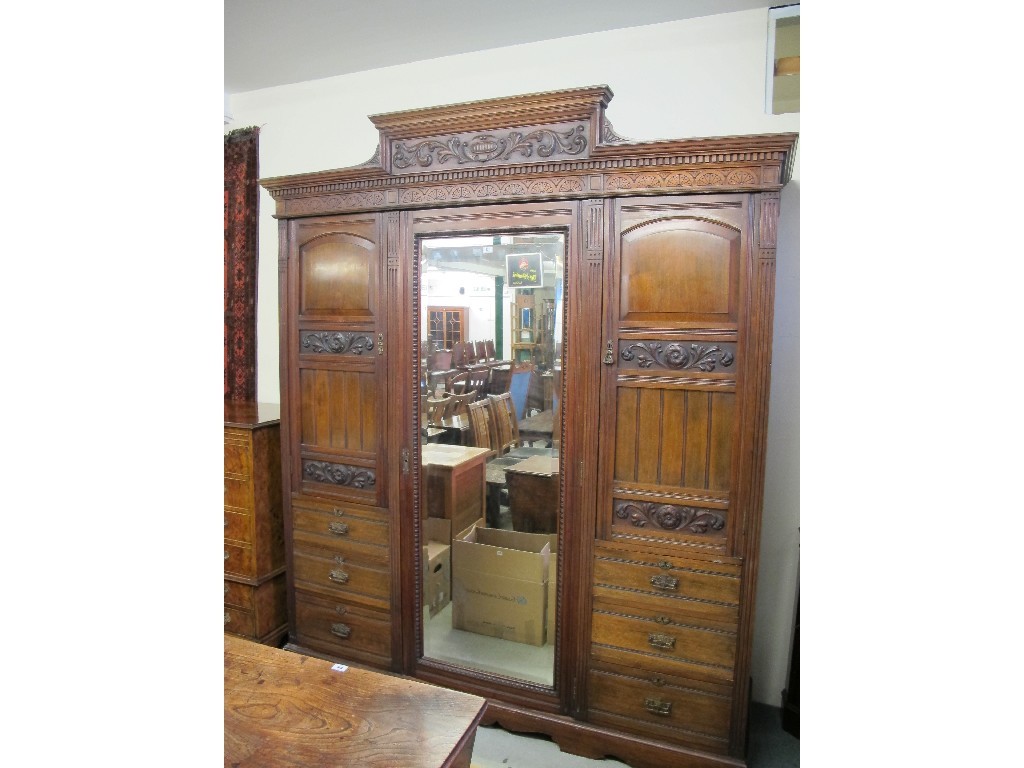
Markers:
point(307, 380)
point(696, 449)
point(625, 434)
point(722, 413)
point(649, 437)
point(352, 411)
point(321, 395)
point(673, 432)
point(368, 398)
point(335, 407)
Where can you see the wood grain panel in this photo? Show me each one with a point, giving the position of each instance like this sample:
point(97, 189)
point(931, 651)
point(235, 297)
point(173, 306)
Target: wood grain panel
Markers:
point(337, 277)
point(676, 269)
point(672, 431)
point(723, 408)
point(340, 410)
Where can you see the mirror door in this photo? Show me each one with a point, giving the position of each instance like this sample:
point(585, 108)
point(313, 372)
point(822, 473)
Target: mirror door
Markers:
point(489, 323)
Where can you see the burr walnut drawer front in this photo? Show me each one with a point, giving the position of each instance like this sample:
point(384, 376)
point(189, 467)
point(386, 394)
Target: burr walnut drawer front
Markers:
point(636, 635)
point(238, 595)
point(237, 526)
point(324, 570)
point(237, 454)
point(341, 628)
point(340, 524)
point(238, 493)
point(694, 587)
point(239, 560)
point(666, 705)
point(239, 622)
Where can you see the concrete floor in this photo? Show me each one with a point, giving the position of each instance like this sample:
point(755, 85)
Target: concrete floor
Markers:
point(770, 747)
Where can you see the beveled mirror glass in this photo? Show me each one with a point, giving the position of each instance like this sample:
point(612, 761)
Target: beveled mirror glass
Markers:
point(490, 385)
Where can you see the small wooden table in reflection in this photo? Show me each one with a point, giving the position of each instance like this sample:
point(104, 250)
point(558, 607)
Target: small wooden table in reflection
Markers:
point(285, 709)
point(454, 485)
point(533, 494)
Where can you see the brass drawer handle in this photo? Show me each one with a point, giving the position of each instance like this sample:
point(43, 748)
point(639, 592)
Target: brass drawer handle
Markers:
point(661, 581)
point(339, 512)
point(658, 707)
point(338, 529)
point(225, 556)
point(661, 641)
point(341, 630)
point(227, 618)
point(341, 610)
point(225, 589)
point(339, 576)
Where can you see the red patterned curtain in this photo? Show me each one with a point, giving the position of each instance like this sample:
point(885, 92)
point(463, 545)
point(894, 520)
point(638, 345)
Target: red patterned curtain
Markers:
point(241, 213)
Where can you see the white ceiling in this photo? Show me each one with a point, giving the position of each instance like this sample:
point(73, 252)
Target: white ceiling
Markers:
point(278, 42)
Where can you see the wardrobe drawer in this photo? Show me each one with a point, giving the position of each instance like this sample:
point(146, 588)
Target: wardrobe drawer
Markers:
point(325, 571)
point(239, 560)
point(237, 526)
point(340, 524)
point(635, 636)
point(667, 707)
point(675, 585)
point(340, 628)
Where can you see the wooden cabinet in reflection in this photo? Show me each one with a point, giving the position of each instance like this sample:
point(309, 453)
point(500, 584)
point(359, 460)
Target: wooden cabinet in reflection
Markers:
point(656, 410)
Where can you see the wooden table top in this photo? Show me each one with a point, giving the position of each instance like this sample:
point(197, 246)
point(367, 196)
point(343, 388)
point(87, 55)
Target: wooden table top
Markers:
point(250, 414)
point(541, 423)
point(536, 465)
point(286, 709)
point(450, 455)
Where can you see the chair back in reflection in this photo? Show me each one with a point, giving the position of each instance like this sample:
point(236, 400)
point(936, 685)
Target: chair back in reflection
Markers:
point(480, 425)
point(437, 408)
point(506, 425)
point(519, 387)
point(458, 355)
point(441, 360)
point(458, 404)
point(479, 378)
point(489, 349)
point(481, 351)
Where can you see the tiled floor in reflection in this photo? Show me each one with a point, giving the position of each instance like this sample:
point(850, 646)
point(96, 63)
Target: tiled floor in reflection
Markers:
point(770, 747)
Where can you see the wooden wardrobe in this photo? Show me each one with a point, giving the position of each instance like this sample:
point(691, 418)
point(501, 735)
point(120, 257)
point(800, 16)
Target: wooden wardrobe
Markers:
point(669, 273)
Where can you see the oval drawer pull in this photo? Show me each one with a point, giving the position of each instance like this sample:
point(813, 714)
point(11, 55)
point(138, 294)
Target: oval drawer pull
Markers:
point(339, 576)
point(661, 641)
point(668, 583)
point(341, 630)
point(658, 707)
point(338, 529)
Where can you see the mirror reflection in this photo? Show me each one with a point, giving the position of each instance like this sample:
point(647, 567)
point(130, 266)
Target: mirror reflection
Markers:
point(490, 384)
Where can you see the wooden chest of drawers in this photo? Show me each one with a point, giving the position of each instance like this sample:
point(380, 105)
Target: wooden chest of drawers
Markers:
point(663, 645)
point(255, 591)
point(341, 571)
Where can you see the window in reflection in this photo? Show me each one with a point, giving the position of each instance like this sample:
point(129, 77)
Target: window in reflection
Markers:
point(490, 381)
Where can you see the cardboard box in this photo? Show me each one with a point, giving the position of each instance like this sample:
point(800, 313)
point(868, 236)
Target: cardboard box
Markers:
point(437, 568)
point(500, 583)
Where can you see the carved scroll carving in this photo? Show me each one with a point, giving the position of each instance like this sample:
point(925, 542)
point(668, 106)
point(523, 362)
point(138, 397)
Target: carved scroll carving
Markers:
point(678, 356)
point(478, 149)
point(490, 189)
point(686, 179)
point(336, 342)
point(669, 517)
point(338, 474)
point(609, 136)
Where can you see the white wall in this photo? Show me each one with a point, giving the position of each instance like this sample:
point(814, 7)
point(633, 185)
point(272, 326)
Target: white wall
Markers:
point(692, 78)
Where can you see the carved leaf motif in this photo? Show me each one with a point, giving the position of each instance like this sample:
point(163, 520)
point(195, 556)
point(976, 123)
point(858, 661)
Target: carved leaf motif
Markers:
point(677, 356)
point(669, 517)
point(486, 148)
point(339, 474)
point(337, 343)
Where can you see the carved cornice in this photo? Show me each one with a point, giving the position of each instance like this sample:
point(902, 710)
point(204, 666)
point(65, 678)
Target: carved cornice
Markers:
point(527, 148)
point(678, 356)
point(336, 342)
point(338, 474)
point(670, 517)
